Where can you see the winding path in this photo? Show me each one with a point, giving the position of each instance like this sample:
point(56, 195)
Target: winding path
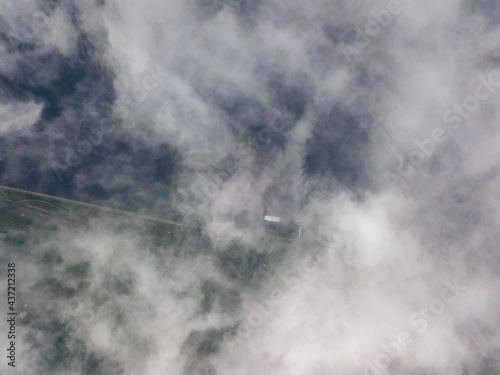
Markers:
point(126, 213)
point(36, 202)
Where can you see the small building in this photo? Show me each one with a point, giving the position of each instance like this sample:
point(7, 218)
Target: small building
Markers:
point(272, 219)
point(287, 228)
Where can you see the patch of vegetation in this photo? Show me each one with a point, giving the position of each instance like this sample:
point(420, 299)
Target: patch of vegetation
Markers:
point(200, 346)
point(14, 221)
point(16, 196)
point(203, 343)
point(121, 284)
point(210, 343)
point(230, 300)
point(240, 262)
point(93, 364)
point(212, 292)
point(99, 298)
point(55, 347)
point(15, 240)
point(82, 286)
point(78, 270)
point(52, 286)
point(81, 210)
point(51, 257)
point(209, 288)
point(161, 234)
point(193, 241)
point(98, 364)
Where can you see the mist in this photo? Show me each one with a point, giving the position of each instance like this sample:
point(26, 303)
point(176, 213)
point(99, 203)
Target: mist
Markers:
point(374, 124)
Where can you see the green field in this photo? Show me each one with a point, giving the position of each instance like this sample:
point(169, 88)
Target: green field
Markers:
point(60, 272)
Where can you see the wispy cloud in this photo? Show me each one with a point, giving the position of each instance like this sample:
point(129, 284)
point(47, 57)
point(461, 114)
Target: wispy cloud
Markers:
point(373, 123)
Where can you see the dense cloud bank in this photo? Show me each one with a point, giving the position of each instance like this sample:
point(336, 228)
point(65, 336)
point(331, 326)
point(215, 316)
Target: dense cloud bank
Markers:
point(373, 123)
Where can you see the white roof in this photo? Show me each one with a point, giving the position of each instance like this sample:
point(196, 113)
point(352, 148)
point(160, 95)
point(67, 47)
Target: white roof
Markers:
point(274, 219)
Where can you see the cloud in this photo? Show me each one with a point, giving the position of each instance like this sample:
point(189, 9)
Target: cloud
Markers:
point(18, 118)
point(222, 113)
